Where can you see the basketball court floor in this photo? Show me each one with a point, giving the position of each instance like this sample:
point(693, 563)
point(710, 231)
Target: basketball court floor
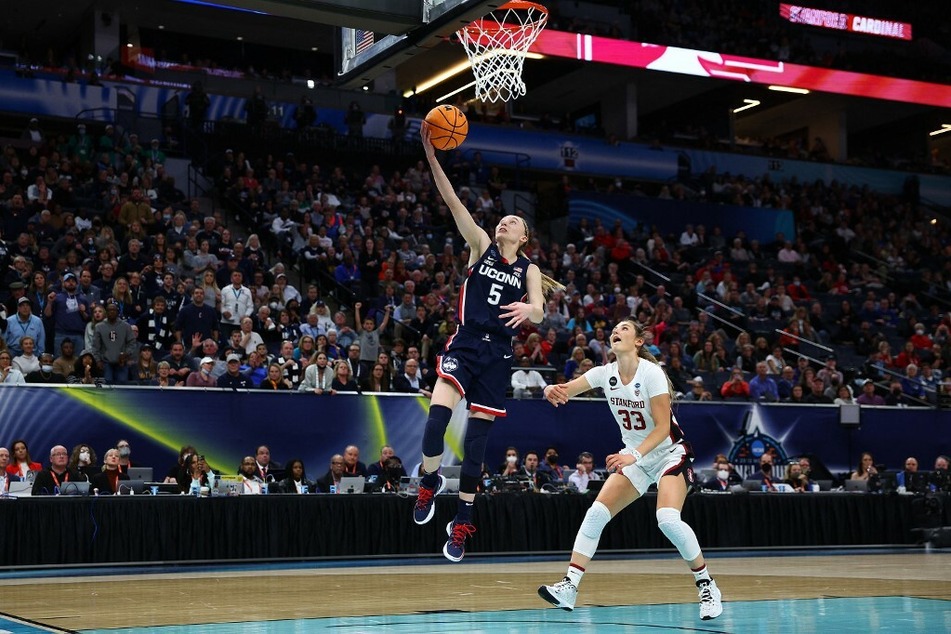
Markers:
point(906, 590)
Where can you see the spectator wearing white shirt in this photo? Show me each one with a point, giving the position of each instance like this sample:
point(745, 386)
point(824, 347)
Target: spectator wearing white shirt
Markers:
point(689, 237)
point(236, 302)
point(525, 381)
point(585, 472)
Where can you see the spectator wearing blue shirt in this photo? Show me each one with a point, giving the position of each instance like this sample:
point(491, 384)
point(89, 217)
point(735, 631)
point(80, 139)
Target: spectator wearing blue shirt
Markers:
point(762, 386)
point(69, 310)
point(233, 377)
point(25, 324)
point(911, 384)
point(196, 318)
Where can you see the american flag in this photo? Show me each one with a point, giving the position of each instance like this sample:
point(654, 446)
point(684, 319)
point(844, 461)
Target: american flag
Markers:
point(364, 40)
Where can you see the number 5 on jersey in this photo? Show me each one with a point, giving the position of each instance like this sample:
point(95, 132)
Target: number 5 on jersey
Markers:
point(495, 294)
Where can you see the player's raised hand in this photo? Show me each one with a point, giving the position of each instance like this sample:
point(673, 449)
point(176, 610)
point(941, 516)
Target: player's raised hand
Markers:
point(556, 394)
point(518, 312)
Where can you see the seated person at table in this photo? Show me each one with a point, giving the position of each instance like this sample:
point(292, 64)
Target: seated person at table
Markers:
point(724, 477)
point(352, 466)
point(795, 478)
point(911, 466)
point(53, 479)
point(530, 470)
point(84, 462)
point(20, 462)
point(194, 471)
point(106, 482)
point(765, 473)
point(510, 466)
point(252, 481)
point(171, 477)
point(584, 472)
point(551, 466)
point(296, 480)
point(333, 475)
point(866, 467)
point(392, 474)
point(378, 468)
point(268, 470)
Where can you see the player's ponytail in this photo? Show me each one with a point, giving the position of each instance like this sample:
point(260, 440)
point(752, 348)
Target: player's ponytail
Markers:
point(645, 354)
point(549, 285)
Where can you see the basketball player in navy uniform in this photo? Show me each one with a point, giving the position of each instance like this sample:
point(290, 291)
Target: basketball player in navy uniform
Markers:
point(639, 394)
point(503, 289)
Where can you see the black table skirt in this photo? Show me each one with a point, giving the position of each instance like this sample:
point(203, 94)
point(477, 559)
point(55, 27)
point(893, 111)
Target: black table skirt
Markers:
point(37, 531)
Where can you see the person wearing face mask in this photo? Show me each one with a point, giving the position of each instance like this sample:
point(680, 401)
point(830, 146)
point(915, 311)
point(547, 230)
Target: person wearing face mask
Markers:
point(765, 474)
point(510, 466)
point(204, 377)
point(724, 477)
point(550, 465)
point(83, 461)
point(45, 373)
point(125, 451)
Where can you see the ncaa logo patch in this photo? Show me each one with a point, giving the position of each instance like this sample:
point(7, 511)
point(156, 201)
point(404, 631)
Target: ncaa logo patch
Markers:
point(449, 365)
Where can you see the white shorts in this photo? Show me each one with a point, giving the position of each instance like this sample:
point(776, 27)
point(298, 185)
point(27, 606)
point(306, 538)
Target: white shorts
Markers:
point(655, 465)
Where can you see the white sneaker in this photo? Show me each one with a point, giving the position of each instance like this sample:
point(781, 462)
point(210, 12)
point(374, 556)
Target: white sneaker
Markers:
point(561, 595)
point(710, 606)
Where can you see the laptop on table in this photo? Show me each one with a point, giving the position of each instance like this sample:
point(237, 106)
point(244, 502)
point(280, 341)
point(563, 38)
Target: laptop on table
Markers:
point(351, 485)
point(140, 473)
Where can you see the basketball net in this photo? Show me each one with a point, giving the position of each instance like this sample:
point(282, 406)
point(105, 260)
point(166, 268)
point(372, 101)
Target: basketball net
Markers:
point(497, 44)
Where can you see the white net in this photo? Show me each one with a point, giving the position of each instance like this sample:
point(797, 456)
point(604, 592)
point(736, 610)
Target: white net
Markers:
point(497, 44)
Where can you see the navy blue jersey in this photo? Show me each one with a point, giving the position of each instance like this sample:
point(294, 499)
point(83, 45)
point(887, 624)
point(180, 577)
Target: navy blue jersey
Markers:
point(491, 283)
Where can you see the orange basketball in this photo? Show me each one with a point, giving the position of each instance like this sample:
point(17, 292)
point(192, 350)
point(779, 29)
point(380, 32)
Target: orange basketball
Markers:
point(448, 127)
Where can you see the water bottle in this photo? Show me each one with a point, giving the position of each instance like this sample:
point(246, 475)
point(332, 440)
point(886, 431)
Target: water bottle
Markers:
point(303, 489)
point(333, 489)
point(195, 489)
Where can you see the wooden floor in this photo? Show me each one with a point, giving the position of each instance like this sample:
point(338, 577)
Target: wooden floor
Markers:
point(266, 593)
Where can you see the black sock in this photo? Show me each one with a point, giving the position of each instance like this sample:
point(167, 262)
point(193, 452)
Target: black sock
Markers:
point(464, 512)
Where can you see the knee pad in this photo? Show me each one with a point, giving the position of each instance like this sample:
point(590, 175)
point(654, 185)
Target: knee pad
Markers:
point(477, 432)
point(678, 532)
point(436, 425)
point(597, 517)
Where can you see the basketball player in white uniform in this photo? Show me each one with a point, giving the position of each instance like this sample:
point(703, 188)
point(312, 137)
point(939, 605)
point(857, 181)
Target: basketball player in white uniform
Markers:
point(639, 394)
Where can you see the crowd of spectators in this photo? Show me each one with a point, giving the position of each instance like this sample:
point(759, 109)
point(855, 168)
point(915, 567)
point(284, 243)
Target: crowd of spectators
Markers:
point(112, 275)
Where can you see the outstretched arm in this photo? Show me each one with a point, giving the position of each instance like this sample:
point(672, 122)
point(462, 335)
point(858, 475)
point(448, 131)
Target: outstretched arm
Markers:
point(559, 394)
point(477, 239)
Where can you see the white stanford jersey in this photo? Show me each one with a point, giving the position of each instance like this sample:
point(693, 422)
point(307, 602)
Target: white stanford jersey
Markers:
point(630, 403)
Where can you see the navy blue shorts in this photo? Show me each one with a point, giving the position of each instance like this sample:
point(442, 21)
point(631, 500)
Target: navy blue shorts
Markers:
point(480, 367)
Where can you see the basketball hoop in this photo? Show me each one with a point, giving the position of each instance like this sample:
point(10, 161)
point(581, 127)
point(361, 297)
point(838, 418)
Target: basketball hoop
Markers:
point(497, 44)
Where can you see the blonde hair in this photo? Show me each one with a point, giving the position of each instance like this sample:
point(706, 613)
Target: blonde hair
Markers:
point(549, 285)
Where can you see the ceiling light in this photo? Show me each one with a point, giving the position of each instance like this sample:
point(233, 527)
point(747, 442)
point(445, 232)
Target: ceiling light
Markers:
point(798, 91)
point(128, 45)
point(239, 38)
point(945, 127)
point(750, 103)
point(455, 92)
point(452, 71)
point(313, 48)
point(934, 221)
point(365, 88)
point(161, 27)
point(310, 83)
